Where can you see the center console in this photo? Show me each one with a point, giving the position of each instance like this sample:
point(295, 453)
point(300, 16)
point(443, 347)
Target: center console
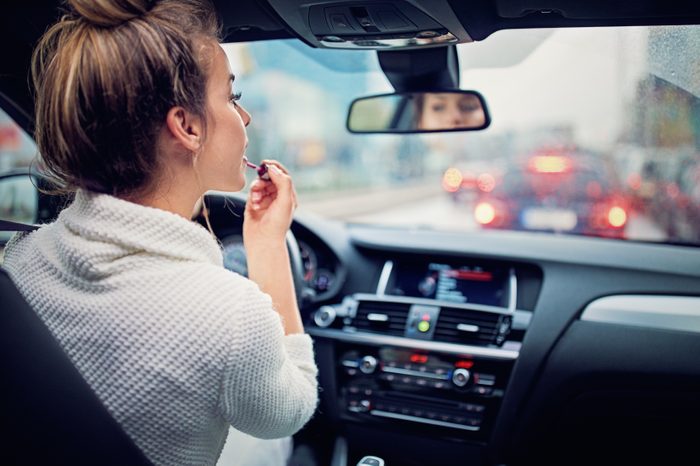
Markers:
point(448, 391)
point(431, 351)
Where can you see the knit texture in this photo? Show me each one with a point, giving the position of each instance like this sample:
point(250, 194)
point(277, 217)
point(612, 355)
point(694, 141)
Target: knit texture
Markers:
point(175, 346)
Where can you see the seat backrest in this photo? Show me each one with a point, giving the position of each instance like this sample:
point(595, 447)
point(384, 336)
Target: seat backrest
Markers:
point(48, 413)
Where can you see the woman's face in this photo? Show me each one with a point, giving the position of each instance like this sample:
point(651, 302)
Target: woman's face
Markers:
point(220, 164)
point(450, 111)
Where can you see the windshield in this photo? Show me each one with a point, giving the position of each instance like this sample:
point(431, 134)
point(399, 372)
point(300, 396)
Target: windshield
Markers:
point(595, 131)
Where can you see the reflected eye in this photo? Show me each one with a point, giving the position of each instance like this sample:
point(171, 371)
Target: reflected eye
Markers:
point(438, 108)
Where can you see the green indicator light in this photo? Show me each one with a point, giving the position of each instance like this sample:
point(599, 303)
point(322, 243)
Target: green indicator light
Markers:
point(423, 326)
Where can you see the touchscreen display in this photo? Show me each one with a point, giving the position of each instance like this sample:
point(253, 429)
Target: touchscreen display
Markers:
point(457, 284)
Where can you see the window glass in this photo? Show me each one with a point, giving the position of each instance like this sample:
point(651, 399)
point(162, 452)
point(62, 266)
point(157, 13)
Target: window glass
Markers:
point(595, 131)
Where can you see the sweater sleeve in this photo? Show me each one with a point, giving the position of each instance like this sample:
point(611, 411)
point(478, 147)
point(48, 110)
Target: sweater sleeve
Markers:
point(269, 387)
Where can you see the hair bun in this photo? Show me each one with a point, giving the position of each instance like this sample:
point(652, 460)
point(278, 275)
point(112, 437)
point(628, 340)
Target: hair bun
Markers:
point(110, 13)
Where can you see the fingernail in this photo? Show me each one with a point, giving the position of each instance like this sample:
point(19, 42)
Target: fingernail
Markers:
point(277, 170)
point(255, 196)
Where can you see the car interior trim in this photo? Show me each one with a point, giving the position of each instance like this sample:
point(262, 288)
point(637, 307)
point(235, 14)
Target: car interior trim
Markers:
point(427, 375)
point(529, 247)
point(340, 452)
point(296, 15)
point(513, 292)
point(389, 340)
point(680, 313)
point(440, 303)
point(405, 417)
point(384, 277)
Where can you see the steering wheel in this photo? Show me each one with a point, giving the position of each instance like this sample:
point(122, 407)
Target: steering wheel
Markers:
point(226, 213)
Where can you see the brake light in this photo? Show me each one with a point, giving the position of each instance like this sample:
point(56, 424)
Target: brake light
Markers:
point(617, 216)
point(484, 213)
point(451, 180)
point(486, 182)
point(549, 164)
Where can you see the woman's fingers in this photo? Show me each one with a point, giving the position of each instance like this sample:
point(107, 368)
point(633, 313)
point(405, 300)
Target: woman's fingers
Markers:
point(282, 168)
point(264, 203)
point(279, 187)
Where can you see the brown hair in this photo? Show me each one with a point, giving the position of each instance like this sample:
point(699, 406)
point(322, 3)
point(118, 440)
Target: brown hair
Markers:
point(105, 76)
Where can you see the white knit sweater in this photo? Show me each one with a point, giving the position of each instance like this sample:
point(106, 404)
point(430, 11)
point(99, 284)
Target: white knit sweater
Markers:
point(175, 346)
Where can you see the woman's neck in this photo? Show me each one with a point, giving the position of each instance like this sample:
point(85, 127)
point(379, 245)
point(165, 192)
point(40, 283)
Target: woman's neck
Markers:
point(174, 196)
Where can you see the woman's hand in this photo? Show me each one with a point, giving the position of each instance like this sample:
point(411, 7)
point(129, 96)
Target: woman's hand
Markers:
point(269, 209)
point(268, 215)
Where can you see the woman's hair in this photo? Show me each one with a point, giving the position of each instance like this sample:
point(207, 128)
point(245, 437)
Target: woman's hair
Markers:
point(106, 75)
point(418, 103)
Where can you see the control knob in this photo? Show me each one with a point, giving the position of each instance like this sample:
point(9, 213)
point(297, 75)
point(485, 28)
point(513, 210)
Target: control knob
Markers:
point(368, 364)
point(460, 377)
point(324, 316)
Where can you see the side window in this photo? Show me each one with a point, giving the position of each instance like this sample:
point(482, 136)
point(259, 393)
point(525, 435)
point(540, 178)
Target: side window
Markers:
point(17, 148)
point(18, 196)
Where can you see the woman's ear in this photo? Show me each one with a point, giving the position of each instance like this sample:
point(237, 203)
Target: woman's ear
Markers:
point(185, 128)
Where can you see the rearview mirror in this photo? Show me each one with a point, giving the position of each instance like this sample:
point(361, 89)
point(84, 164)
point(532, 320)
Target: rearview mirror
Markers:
point(419, 112)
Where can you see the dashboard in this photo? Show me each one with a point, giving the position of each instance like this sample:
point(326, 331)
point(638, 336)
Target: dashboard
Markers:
point(320, 270)
point(490, 348)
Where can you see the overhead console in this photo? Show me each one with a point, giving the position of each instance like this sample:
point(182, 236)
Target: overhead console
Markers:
point(432, 347)
point(371, 25)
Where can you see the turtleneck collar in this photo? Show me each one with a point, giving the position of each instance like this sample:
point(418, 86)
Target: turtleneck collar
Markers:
point(97, 230)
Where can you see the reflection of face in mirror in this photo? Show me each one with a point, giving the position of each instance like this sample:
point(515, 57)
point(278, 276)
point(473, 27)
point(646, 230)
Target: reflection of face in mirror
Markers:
point(447, 110)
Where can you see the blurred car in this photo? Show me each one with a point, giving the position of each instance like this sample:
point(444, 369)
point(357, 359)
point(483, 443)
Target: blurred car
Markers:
point(465, 182)
point(555, 193)
point(676, 207)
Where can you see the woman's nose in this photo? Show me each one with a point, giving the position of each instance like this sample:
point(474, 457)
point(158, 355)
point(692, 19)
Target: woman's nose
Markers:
point(245, 115)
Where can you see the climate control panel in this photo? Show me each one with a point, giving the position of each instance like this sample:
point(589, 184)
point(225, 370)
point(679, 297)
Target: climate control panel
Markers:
point(400, 385)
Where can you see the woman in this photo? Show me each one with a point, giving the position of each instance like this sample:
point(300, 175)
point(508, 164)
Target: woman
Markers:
point(135, 112)
point(448, 110)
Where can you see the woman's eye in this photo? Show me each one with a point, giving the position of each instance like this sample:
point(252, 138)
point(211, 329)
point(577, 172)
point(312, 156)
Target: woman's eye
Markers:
point(233, 98)
point(438, 108)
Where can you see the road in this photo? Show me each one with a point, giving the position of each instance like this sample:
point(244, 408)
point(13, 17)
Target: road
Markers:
point(423, 206)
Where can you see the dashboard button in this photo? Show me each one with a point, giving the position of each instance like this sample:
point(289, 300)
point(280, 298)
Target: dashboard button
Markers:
point(368, 364)
point(324, 316)
point(483, 391)
point(460, 377)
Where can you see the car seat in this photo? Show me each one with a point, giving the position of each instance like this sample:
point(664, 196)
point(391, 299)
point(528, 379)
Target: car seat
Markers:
point(48, 413)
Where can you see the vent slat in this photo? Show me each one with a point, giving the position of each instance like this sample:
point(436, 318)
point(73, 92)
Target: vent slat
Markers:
point(396, 313)
point(481, 317)
point(450, 318)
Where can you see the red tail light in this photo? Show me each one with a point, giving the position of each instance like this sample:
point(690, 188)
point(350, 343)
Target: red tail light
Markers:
point(484, 213)
point(617, 217)
point(486, 182)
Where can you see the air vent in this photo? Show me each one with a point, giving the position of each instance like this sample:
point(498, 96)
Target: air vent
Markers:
point(381, 317)
point(471, 327)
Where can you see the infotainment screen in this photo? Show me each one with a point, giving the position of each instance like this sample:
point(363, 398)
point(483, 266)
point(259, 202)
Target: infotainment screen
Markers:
point(452, 283)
